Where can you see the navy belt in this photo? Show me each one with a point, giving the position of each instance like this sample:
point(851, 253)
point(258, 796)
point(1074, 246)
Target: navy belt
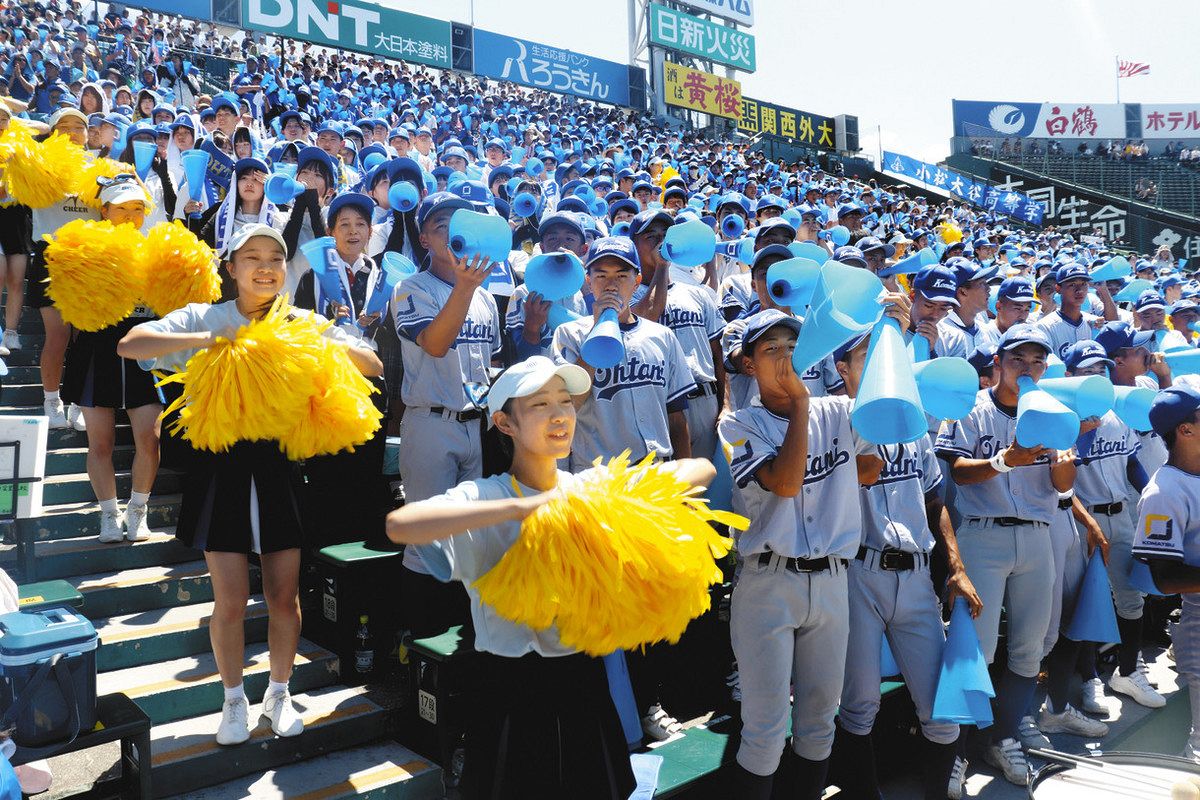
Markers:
point(458, 416)
point(1109, 509)
point(703, 390)
point(800, 565)
point(894, 560)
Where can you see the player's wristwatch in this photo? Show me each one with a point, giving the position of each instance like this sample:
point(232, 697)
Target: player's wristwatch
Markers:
point(998, 464)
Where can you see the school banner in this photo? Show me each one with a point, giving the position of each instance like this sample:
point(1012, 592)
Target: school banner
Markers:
point(676, 30)
point(359, 26)
point(531, 64)
point(790, 123)
point(701, 91)
point(739, 11)
point(1012, 204)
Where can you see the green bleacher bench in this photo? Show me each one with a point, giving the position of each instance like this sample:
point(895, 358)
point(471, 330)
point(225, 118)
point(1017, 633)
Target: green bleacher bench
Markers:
point(47, 594)
point(440, 682)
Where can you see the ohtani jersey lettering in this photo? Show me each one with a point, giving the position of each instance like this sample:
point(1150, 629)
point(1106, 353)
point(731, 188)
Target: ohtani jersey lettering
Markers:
point(691, 314)
point(893, 508)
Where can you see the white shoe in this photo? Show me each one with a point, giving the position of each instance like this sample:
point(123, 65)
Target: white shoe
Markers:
point(1031, 735)
point(958, 779)
point(659, 725)
point(4, 351)
point(235, 722)
point(1070, 721)
point(278, 710)
point(1137, 687)
point(110, 526)
point(12, 341)
point(1094, 701)
point(75, 417)
point(58, 418)
point(1009, 759)
point(136, 529)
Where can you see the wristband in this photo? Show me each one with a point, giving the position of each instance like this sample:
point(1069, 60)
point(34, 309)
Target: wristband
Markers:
point(1067, 495)
point(997, 462)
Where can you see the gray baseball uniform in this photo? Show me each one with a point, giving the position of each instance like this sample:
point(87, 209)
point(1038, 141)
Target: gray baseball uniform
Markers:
point(1063, 332)
point(958, 339)
point(691, 314)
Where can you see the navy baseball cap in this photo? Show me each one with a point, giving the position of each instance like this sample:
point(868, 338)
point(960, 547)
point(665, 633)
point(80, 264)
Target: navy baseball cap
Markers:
point(312, 153)
point(937, 284)
point(1085, 354)
point(439, 201)
point(1025, 333)
point(244, 164)
point(1173, 407)
point(844, 350)
point(560, 218)
point(645, 219)
point(848, 254)
point(982, 358)
point(1018, 290)
point(1120, 334)
point(1148, 300)
point(775, 223)
point(1072, 270)
point(356, 199)
point(778, 251)
point(1183, 305)
point(620, 247)
point(966, 270)
point(758, 324)
point(873, 243)
point(846, 209)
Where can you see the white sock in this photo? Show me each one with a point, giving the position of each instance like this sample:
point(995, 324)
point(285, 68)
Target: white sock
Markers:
point(235, 692)
point(109, 506)
point(50, 395)
point(276, 687)
point(139, 498)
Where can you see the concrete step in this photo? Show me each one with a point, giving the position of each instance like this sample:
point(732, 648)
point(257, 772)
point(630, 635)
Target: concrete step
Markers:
point(187, 756)
point(381, 771)
point(76, 488)
point(59, 438)
point(62, 558)
point(164, 634)
point(72, 520)
point(190, 686)
point(24, 375)
point(28, 355)
point(147, 588)
point(73, 460)
point(22, 393)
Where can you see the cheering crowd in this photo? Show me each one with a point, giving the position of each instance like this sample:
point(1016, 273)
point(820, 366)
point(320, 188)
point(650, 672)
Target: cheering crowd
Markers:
point(487, 383)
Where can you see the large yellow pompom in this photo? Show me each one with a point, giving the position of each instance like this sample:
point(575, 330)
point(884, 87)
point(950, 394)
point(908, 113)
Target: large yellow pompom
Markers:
point(38, 174)
point(623, 559)
point(179, 269)
point(340, 414)
point(89, 190)
point(94, 279)
point(950, 233)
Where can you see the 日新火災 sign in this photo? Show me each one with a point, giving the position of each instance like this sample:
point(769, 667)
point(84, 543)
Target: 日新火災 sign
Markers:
point(700, 37)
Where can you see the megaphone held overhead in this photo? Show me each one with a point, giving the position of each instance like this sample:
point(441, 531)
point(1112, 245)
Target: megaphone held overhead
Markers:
point(845, 304)
point(888, 408)
point(1043, 421)
point(554, 276)
point(689, 244)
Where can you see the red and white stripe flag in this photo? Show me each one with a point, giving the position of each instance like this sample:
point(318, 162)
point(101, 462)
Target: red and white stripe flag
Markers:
point(1127, 69)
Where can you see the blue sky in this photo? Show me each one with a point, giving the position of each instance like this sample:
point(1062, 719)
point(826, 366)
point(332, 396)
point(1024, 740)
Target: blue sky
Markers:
point(896, 64)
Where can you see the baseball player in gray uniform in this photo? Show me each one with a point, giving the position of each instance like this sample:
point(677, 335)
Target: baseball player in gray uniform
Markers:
point(961, 330)
point(1014, 301)
point(1069, 323)
point(1007, 496)
point(449, 330)
point(891, 595)
point(527, 320)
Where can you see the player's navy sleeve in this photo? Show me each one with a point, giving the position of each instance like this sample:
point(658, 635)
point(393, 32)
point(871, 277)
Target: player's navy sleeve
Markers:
point(956, 438)
point(748, 449)
point(415, 310)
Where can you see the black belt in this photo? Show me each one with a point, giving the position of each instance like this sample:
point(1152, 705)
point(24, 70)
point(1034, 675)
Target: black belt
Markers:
point(894, 560)
point(800, 564)
point(1065, 504)
point(458, 416)
point(1108, 510)
point(1007, 522)
point(702, 390)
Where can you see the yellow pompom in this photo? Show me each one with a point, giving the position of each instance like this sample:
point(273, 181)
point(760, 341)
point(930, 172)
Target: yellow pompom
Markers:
point(340, 414)
point(950, 233)
point(179, 269)
point(623, 559)
point(94, 280)
point(38, 174)
point(85, 180)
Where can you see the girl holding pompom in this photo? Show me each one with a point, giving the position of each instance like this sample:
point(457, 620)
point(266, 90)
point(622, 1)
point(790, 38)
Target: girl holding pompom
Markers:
point(15, 240)
point(547, 726)
point(244, 500)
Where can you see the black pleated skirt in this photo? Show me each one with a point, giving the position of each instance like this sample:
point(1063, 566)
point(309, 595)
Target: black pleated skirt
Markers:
point(94, 376)
point(36, 274)
point(16, 230)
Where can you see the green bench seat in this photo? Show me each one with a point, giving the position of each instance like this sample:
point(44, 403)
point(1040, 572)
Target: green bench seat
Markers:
point(47, 594)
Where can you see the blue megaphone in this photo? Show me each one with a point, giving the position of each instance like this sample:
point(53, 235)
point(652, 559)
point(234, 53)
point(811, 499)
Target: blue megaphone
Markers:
point(559, 315)
point(195, 164)
point(791, 282)
point(887, 662)
point(947, 386)
point(603, 347)
point(1184, 361)
point(396, 267)
point(720, 492)
point(887, 409)
point(455, 179)
point(586, 193)
point(373, 160)
point(964, 687)
point(845, 304)
point(993, 298)
point(555, 276)
point(838, 234)
point(911, 263)
point(1132, 290)
point(1055, 368)
point(1095, 619)
point(1113, 269)
point(534, 167)
point(517, 155)
point(918, 348)
point(1043, 421)
point(284, 168)
point(689, 244)
point(280, 189)
point(809, 250)
point(1131, 404)
point(620, 689)
point(599, 207)
point(793, 217)
point(620, 229)
point(143, 157)
point(1087, 396)
point(1141, 578)
point(732, 226)
point(403, 196)
point(740, 249)
point(472, 234)
point(525, 204)
point(321, 254)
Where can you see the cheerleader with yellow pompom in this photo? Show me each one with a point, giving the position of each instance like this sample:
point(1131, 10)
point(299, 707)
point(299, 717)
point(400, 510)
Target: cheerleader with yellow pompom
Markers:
point(546, 725)
point(241, 496)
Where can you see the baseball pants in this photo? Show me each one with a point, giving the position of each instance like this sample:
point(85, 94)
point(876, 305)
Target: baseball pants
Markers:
point(701, 416)
point(1118, 529)
point(1070, 562)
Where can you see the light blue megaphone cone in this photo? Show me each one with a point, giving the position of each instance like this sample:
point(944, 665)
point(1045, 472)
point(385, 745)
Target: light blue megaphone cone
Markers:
point(964, 687)
point(918, 348)
point(620, 229)
point(739, 249)
point(555, 276)
point(733, 225)
point(373, 160)
point(472, 234)
point(143, 157)
point(1055, 368)
point(993, 297)
point(1111, 270)
point(1141, 578)
point(720, 492)
point(947, 386)
point(560, 315)
point(586, 193)
point(534, 167)
point(524, 204)
point(844, 305)
point(281, 189)
point(888, 407)
point(793, 217)
point(284, 168)
point(517, 155)
point(911, 263)
point(791, 282)
point(1043, 421)
point(887, 662)
point(1095, 619)
point(809, 250)
point(195, 163)
point(599, 207)
point(1131, 404)
point(454, 179)
point(403, 196)
point(620, 689)
point(1184, 361)
point(689, 244)
point(838, 234)
point(603, 347)
point(1132, 290)
point(321, 253)
point(396, 267)
point(1087, 396)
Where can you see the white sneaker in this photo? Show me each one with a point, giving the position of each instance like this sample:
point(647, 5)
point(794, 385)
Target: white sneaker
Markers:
point(1094, 701)
point(110, 526)
point(659, 725)
point(12, 341)
point(1009, 759)
point(136, 529)
point(75, 417)
point(1031, 735)
point(277, 709)
point(4, 351)
point(58, 418)
point(1070, 721)
point(235, 722)
point(1137, 687)
point(958, 779)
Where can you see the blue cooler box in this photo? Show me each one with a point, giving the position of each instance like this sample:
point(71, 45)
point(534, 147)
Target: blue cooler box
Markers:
point(47, 676)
